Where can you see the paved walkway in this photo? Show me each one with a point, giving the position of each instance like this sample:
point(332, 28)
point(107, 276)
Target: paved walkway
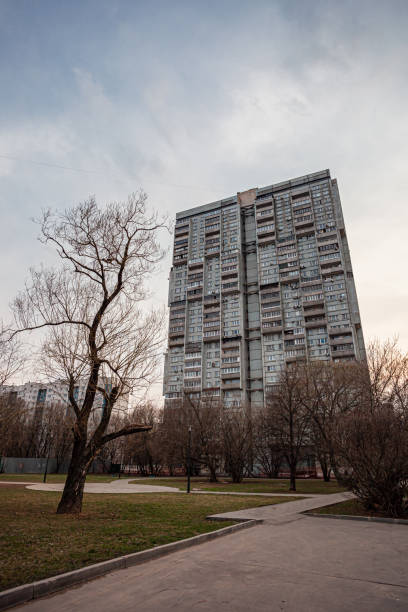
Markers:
point(123, 485)
point(120, 485)
point(289, 563)
point(279, 512)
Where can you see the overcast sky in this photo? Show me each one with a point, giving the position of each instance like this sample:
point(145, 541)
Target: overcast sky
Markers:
point(197, 100)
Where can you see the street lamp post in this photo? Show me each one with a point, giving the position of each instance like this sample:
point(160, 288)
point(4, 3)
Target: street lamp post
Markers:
point(189, 461)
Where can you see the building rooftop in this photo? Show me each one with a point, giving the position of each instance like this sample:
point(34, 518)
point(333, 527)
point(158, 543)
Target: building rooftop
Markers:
point(275, 188)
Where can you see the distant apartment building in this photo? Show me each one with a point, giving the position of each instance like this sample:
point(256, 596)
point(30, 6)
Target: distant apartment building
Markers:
point(259, 280)
point(35, 394)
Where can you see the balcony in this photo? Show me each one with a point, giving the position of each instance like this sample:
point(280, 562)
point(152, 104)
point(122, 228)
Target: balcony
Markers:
point(193, 347)
point(212, 231)
point(327, 237)
point(213, 337)
point(177, 341)
point(231, 342)
point(264, 215)
point(211, 300)
point(181, 229)
point(346, 329)
point(231, 276)
point(306, 221)
point(198, 261)
point(346, 339)
point(266, 238)
point(300, 355)
point(180, 259)
point(289, 334)
point(271, 314)
point(209, 325)
point(230, 287)
point(194, 283)
point(231, 384)
point(194, 294)
point(318, 322)
point(212, 391)
point(211, 310)
point(262, 200)
point(315, 312)
point(311, 309)
point(176, 334)
point(181, 234)
point(269, 329)
point(229, 270)
point(212, 252)
point(225, 376)
point(328, 270)
point(337, 354)
point(302, 232)
point(289, 275)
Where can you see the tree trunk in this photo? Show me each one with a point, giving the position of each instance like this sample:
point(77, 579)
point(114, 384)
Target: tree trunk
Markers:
point(236, 475)
point(337, 474)
point(213, 474)
point(292, 486)
point(71, 500)
point(325, 467)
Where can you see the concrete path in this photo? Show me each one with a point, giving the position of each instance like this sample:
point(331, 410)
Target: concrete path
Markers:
point(289, 563)
point(121, 485)
point(279, 512)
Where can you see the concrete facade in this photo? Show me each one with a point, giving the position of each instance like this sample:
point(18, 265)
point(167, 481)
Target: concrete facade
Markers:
point(258, 280)
point(55, 393)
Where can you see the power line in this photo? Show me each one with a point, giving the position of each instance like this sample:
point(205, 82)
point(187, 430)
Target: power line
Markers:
point(49, 165)
point(37, 163)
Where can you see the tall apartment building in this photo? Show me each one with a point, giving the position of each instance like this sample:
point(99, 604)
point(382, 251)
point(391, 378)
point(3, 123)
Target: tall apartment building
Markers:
point(258, 280)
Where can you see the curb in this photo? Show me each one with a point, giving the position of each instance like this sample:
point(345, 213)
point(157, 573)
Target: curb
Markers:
point(34, 590)
point(351, 517)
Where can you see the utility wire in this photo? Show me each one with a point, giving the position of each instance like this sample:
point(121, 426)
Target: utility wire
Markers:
point(179, 186)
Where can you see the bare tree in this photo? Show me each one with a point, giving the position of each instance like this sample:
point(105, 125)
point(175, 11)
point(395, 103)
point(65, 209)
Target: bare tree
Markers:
point(96, 328)
point(328, 390)
point(61, 424)
point(372, 447)
point(371, 441)
point(13, 433)
point(175, 431)
point(267, 449)
point(147, 451)
point(11, 355)
point(237, 441)
point(205, 417)
point(290, 420)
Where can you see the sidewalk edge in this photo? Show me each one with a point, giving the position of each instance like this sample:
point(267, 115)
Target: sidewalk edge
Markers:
point(35, 590)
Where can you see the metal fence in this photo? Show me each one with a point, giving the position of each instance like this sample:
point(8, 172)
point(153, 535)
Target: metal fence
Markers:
point(24, 465)
point(18, 465)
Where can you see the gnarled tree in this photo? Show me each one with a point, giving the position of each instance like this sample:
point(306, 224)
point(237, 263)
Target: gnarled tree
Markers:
point(97, 332)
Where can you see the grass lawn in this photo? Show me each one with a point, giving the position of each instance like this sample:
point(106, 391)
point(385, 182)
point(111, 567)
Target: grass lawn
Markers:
point(349, 507)
point(249, 485)
point(52, 477)
point(36, 543)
